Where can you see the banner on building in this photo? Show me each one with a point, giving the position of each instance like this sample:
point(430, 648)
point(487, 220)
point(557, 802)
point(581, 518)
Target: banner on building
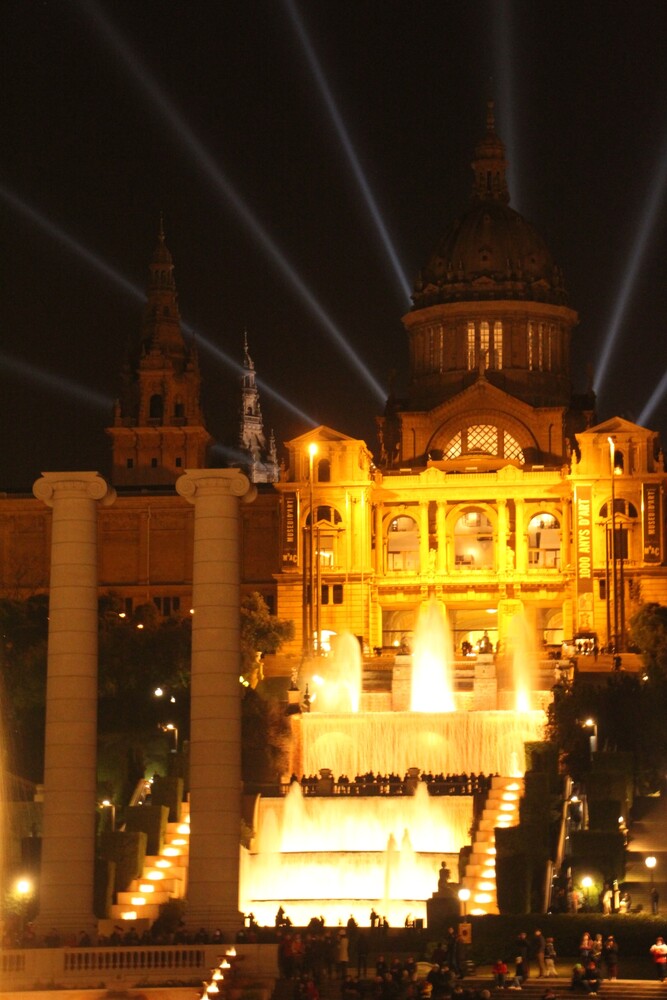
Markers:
point(652, 520)
point(583, 526)
point(290, 539)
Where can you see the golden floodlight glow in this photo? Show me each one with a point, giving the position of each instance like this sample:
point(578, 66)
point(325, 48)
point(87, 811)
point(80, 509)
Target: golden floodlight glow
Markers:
point(489, 873)
point(146, 887)
point(179, 842)
point(138, 901)
point(183, 828)
point(162, 863)
point(171, 852)
point(483, 897)
point(129, 915)
point(514, 787)
point(155, 876)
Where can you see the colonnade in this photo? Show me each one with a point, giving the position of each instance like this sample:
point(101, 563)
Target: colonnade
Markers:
point(68, 838)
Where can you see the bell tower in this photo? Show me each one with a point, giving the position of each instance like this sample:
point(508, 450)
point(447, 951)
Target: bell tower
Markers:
point(158, 427)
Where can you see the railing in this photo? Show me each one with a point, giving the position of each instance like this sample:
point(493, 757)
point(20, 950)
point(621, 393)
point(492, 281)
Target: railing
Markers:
point(21, 969)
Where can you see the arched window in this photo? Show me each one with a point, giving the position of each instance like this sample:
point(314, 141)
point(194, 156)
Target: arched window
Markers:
point(544, 538)
point(156, 407)
point(497, 345)
point(324, 471)
point(403, 545)
point(179, 408)
point(484, 439)
point(473, 540)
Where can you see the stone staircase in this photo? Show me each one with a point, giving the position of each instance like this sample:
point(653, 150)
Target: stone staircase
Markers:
point(501, 810)
point(533, 989)
point(164, 876)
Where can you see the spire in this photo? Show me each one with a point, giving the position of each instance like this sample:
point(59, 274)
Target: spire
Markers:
point(262, 467)
point(489, 164)
point(161, 328)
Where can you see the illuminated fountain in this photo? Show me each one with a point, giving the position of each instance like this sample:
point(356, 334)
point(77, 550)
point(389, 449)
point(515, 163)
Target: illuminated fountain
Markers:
point(341, 854)
point(337, 855)
point(522, 648)
point(336, 685)
point(432, 659)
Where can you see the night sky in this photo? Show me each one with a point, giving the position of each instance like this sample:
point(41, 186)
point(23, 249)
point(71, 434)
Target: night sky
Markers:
point(115, 112)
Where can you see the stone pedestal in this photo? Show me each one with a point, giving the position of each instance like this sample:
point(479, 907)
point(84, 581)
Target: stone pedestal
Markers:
point(401, 683)
point(443, 909)
point(70, 785)
point(215, 715)
point(485, 684)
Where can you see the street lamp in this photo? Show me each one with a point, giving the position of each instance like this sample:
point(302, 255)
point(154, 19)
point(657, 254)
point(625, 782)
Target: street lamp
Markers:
point(586, 884)
point(650, 863)
point(312, 452)
point(616, 469)
point(464, 896)
point(23, 889)
point(592, 727)
point(169, 727)
point(108, 804)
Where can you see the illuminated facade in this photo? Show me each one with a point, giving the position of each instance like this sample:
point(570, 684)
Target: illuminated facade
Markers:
point(493, 488)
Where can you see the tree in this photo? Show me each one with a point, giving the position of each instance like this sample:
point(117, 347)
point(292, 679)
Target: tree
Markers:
point(261, 632)
point(648, 630)
point(23, 656)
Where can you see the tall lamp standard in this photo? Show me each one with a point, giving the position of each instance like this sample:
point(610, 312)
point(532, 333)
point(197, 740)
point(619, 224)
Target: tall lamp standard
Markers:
point(312, 451)
point(616, 467)
point(464, 896)
point(650, 863)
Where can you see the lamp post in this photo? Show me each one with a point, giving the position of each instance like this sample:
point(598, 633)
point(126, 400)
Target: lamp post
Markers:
point(23, 888)
point(312, 451)
point(108, 804)
point(464, 896)
point(616, 469)
point(169, 727)
point(586, 884)
point(592, 727)
point(650, 863)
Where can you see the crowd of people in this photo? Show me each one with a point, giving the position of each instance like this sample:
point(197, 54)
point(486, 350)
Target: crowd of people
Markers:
point(394, 784)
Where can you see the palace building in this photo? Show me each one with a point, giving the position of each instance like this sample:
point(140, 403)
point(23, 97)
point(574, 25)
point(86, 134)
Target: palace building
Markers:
point(493, 486)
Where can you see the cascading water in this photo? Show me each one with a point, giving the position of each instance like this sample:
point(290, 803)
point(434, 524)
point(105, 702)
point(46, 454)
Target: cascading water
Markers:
point(337, 855)
point(522, 647)
point(432, 658)
point(337, 683)
point(333, 855)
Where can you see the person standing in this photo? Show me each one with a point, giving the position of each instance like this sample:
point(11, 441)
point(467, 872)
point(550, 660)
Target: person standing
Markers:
point(550, 958)
point(659, 955)
point(537, 949)
point(610, 957)
point(522, 951)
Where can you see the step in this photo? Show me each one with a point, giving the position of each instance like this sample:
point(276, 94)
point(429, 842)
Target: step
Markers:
point(127, 897)
point(164, 866)
point(121, 911)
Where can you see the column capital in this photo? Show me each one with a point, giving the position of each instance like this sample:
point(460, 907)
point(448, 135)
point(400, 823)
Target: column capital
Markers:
point(225, 482)
point(73, 486)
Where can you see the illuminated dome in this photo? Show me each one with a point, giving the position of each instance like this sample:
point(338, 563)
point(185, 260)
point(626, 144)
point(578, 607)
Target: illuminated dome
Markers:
point(490, 252)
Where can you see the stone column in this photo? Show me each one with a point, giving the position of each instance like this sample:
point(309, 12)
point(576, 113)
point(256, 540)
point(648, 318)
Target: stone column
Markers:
point(441, 532)
point(521, 535)
point(215, 713)
point(70, 766)
point(423, 537)
point(379, 540)
point(501, 559)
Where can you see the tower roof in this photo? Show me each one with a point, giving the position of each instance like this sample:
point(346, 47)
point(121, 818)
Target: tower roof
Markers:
point(490, 251)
